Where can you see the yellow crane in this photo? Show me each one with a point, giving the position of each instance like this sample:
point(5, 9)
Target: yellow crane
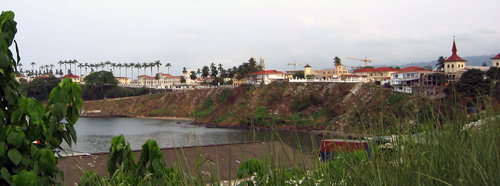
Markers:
point(294, 65)
point(366, 60)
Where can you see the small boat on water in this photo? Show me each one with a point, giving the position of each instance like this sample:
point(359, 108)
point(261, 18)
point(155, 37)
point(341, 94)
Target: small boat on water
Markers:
point(332, 148)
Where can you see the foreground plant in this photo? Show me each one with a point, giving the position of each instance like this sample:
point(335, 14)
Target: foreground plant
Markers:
point(25, 120)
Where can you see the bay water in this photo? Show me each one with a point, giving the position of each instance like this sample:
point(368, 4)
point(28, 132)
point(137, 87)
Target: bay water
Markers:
point(95, 134)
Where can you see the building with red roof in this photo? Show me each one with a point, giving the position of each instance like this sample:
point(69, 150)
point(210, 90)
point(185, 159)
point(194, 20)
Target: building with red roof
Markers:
point(266, 77)
point(378, 74)
point(413, 80)
point(496, 60)
point(163, 81)
point(454, 63)
point(73, 78)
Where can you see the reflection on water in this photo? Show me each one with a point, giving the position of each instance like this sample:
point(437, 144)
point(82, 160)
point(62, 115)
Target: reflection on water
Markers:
point(95, 134)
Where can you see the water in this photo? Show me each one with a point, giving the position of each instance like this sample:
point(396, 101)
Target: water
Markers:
point(95, 134)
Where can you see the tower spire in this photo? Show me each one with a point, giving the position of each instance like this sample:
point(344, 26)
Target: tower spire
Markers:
point(454, 48)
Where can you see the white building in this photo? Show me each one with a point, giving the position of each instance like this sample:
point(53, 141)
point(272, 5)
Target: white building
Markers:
point(266, 77)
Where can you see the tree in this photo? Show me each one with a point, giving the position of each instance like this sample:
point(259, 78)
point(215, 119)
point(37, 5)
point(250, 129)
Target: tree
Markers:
point(440, 64)
point(168, 65)
point(40, 88)
point(183, 79)
point(338, 63)
point(25, 120)
point(472, 83)
point(213, 71)
point(205, 71)
point(299, 74)
point(101, 79)
point(193, 75)
point(485, 65)
point(493, 73)
point(158, 64)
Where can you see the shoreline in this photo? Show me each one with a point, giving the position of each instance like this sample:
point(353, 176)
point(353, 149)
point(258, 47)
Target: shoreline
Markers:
point(332, 134)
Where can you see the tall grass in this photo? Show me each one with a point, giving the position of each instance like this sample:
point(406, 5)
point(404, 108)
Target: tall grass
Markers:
point(442, 153)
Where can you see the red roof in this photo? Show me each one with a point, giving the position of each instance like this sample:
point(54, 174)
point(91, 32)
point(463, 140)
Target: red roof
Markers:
point(268, 72)
point(19, 75)
point(454, 56)
point(69, 76)
point(364, 70)
point(413, 69)
point(384, 69)
point(379, 69)
point(41, 76)
point(496, 57)
point(307, 66)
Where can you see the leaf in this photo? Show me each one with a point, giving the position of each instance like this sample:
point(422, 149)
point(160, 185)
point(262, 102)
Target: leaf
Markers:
point(3, 148)
point(35, 109)
point(15, 139)
point(6, 175)
point(58, 110)
point(61, 97)
point(15, 156)
point(16, 116)
point(47, 162)
point(72, 132)
point(26, 178)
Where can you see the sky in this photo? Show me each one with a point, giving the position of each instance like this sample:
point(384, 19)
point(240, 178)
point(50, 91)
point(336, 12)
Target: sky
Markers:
point(195, 33)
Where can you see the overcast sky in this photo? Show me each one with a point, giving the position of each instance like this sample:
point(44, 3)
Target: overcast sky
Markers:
point(194, 33)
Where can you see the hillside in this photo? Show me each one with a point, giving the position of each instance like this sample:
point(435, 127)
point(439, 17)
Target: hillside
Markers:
point(336, 107)
point(471, 61)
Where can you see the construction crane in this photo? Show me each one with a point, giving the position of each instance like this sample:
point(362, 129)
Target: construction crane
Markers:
point(366, 60)
point(294, 65)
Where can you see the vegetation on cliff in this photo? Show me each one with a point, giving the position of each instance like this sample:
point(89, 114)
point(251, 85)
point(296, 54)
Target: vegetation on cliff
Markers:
point(340, 107)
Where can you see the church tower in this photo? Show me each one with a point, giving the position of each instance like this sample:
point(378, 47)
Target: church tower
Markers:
point(307, 70)
point(454, 63)
point(262, 64)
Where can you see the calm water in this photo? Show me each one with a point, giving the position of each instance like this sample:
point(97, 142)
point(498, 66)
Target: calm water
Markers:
point(95, 134)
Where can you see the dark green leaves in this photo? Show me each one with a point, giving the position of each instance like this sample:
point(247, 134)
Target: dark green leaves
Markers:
point(15, 139)
point(14, 156)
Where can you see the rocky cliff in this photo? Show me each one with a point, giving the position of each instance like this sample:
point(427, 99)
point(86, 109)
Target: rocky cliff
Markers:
point(336, 107)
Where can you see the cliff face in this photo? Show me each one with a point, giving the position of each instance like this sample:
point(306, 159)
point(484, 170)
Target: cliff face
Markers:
point(338, 107)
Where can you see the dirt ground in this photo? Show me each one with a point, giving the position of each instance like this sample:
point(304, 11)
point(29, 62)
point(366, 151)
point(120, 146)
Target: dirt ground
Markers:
point(223, 159)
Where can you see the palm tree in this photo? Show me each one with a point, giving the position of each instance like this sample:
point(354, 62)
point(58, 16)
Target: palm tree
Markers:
point(60, 63)
point(75, 62)
point(80, 65)
point(33, 65)
point(132, 66)
point(107, 63)
point(151, 65)
point(440, 64)
point(113, 65)
point(138, 66)
point(119, 65)
point(168, 65)
point(145, 65)
point(158, 65)
point(338, 63)
point(65, 62)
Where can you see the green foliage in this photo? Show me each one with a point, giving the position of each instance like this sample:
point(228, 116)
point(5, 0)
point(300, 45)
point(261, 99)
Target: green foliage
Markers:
point(101, 79)
point(25, 120)
point(472, 83)
point(122, 169)
point(493, 73)
point(299, 75)
point(224, 95)
point(40, 88)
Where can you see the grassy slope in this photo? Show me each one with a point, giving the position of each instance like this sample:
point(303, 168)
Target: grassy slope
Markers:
point(302, 106)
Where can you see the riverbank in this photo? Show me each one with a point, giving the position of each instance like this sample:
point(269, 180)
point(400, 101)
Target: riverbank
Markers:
point(305, 107)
